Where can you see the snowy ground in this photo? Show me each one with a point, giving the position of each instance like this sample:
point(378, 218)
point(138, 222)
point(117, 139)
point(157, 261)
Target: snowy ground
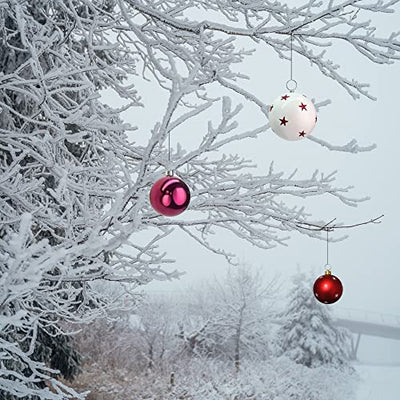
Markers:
point(379, 382)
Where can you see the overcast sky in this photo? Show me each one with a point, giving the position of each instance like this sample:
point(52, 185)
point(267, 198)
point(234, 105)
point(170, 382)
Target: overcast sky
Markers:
point(368, 261)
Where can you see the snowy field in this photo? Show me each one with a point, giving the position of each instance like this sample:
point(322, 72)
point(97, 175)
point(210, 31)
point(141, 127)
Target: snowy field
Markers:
point(379, 382)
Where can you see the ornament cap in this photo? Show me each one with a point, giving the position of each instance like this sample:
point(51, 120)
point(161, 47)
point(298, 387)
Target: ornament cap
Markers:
point(170, 172)
point(328, 268)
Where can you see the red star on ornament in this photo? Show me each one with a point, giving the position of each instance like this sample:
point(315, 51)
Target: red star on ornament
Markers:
point(303, 107)
point(270, 109)
point(285, 97)
point(302, 134)
point(316, 119)
point(284, 121)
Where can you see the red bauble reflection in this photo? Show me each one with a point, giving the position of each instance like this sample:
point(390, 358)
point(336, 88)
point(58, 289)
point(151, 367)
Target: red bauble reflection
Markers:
point(327, 288)
point(169, 196)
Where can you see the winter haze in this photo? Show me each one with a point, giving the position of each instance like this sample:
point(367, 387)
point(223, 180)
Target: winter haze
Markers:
point(367, 261)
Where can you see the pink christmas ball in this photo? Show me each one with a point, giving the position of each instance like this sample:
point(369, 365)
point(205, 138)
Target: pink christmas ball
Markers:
point(169, 196)
point(292, 116)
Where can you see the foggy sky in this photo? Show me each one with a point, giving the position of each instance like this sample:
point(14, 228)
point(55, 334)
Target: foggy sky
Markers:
point(368, 261)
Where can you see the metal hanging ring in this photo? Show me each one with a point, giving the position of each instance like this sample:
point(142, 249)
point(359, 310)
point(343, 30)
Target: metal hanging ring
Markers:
point(291, 85)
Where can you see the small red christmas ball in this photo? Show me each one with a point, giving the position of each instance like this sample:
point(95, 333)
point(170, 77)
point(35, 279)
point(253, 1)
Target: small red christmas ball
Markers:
point(327, 288)
point(170, 196)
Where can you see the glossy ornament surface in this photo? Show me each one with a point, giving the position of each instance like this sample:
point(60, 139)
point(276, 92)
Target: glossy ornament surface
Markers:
point(327, 288)
point(292, 116)
point(170, 196)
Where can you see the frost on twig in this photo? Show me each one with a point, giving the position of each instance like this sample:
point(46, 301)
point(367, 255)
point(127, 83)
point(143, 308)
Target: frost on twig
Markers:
point(350, 147)
point(314, 25)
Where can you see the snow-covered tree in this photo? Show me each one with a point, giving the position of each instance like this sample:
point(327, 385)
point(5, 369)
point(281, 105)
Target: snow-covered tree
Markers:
point(308, 335)
point(75, 178)
point(230, 318)
point(243, 308)
point(155, 333)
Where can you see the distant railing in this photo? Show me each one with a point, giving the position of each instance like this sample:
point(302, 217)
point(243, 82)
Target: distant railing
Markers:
point(374, 317)
point(363, 322)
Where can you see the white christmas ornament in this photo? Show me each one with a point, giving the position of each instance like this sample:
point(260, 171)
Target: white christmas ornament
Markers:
point(292, 116)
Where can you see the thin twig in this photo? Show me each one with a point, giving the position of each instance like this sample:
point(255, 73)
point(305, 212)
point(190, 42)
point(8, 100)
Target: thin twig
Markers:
point(329, 227)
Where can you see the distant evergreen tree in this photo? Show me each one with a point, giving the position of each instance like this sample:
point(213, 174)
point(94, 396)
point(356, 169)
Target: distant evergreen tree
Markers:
point(308, 335)
point(58, 353)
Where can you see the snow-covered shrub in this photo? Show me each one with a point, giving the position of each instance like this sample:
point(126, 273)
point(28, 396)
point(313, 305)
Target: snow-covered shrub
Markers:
point(205, 379)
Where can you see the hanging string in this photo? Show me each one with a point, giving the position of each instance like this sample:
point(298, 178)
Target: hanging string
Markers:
point(170, 171)
point(327, 247)
point(291, 56)
point(169, 147)
point(291, 84)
